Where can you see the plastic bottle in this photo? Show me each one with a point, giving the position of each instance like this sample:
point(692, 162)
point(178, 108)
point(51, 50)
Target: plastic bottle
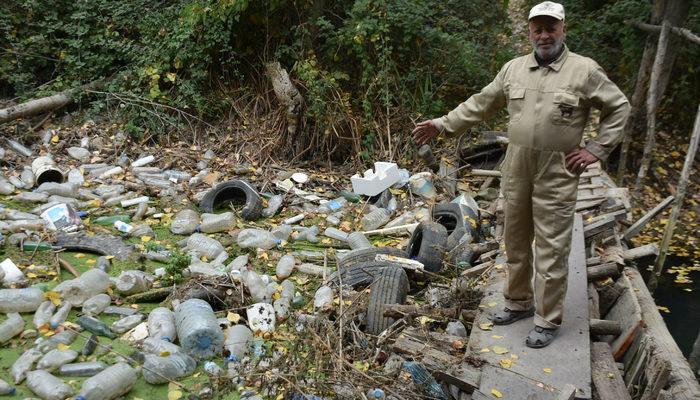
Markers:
point(294, 219)
point(238, 341)
point(273, 205)
point(332, 205)
point(47, 386)
point(287, 291)
point(422, 185)
point(90, 345)
point(89, 368)
point(456, 328)
point(90, 283)
point(238, 263)
point(65, 337)
point(159, 346)
point(333, 220)
point(27, 177)
point(161, 324)
point(95, 326)
point(376, 393)
point(255, 285)
point(157, 369)
point(212, 223)
point(103, 264)
point(11, 327)
point(285, 266)
point(357, 240)
point(257, 238)
point(123, 226)
point(59, 189)
point(204, 245)
point(20, 300)
point(5, 388)
point(127, 323)
point(323, 298)
point(110, 220)
point(132, 282)
point(109, 384)
point(24, 364)
point(60, 316)
point(336, 234)
point(349, 196)
point(43, 314)
point(282, 232)
point(178, 176)
point(96, 304)
point(375, 219)
point(143, 161)
point(312, 269)
point(304, 233)
point(282, 307)
point(79, 153)
point(55, 358)
point(212, 368)
point(132, 202)
point(111, 172)
point(198, 330)
point(6, 187)
point(140, 211)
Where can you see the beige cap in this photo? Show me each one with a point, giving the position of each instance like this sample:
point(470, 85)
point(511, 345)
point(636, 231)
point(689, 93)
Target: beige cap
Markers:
point(549, 8)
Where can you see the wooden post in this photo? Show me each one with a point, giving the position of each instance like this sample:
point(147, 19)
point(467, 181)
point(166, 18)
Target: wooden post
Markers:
point(680, 195)
point(651, 108)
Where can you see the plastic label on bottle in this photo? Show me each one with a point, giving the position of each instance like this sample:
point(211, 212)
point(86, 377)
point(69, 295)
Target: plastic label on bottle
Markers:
point(333, 205)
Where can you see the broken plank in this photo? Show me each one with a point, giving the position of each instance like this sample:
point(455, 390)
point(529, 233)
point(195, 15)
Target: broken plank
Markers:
point(641, 223)
point(599, 226)
point(608, 295)
point(584, 205)
point(607, 380)
point(464, 376)
point(477, 270)
point(432, 359)
point(626, 311)
point(568, 392)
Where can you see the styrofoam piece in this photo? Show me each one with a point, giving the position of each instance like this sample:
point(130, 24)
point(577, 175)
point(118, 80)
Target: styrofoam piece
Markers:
point(372, 183)
point(261, 317)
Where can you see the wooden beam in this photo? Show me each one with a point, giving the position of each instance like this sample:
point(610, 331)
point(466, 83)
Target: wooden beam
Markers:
point(606, 377)
point(609, 294)
point(641, 222)
point(604, 271)
point(641, 251)
point(597, 227)
point(600, 327)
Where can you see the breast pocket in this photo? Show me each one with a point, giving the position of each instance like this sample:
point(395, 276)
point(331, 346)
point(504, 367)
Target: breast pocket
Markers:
point(565, 108)
point(516, 101)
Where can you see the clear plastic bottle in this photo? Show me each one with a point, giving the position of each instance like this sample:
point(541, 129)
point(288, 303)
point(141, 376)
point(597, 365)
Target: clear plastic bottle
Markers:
point(173, 367)
point(109, 384)
point(179, 176)
point(20, 300)
point(304, 233)
point(285, 266)
point(456, 328)
point(333, 220)
point(159, 347)
point(332, 205)
point(257, 238)
point(161, 324)
point(323, 298)
point(55, 358)
point(204, 245)
point(11, 327)
point(24, 364)
point(111, 219)
point(198, 329)
point(60, 316)
point(132, 282)
point(103, 264)
point(96, 304)
point(95, 326)
point(376, 393)
point(238, 263)
point(88, 368)
point(66, 189)
point(426, 154)
point(90, 283)
point(357, 240)
point(19, 148)
point(422, 185)
point(313, 269)
point(288, 289)
point(5, 388)
point(43, 314)
point(143, 161)
point(273, 205)
point(79, 153)
point(47, 386)
point(140, 211)
point(127, 323)
point(6, 187)
point(27, 177)
point(403, 219)
point(282, 232)
point(282, 307)
point(185, 222)
point(255, 285)
point(212, 223)
point(375, 219)
point(90, 345)
point(65, 337)
point(336, 234)
point(238, 341)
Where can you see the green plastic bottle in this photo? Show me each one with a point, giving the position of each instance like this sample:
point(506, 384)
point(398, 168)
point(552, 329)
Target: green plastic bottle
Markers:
point(32, 246)
point(95, 326)
point(111, 219)
point(350, 196)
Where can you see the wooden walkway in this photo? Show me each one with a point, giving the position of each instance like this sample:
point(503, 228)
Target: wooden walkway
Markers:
point(519, 372)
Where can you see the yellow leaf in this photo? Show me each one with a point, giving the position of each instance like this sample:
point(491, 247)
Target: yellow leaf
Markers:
point(233, 317)
point(54, 139)
point(492, 304)
point(611, 375)
point(424, 320)
point(31, 275)
point(174, 395)
point(506, 362)
point(664, 309)
point(499, 349)
point(63, 347)
point(486, 326)
point(146, 239)
point(485, 350)
point(547, 370)
point(170, 76)
point(497, 336)
point(55, 297)
point(496, 393)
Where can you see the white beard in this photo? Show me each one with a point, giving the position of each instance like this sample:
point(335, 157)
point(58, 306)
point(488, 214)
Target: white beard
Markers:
point(549, 54)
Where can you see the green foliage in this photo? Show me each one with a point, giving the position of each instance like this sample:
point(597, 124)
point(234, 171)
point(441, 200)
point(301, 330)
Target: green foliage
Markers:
point(178, 262)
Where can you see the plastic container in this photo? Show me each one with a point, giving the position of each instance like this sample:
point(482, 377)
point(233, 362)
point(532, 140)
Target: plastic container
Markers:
point(198, 329)
point(425, 381)
point(103, 264)
point(238, 341)
point(285, 266)
point(6, 187)
point(24, 364)
point(282, 232)
point(294, 219)
point(127, 323)
point(20, 300)
point(377, 394)
point(76, 291)
point(426, 155)
point(332, 205)
point(141, 210)
point(43, 314)
point(375, 219)
point(111, 172)
point(185, 222)
point(27, 177)
point(79, 153)
point(323, 298)
point(282, 307)
point(422, 185)
point(5, 388)
point(204, 245)
point(357, 240)
point(312, 269)
point(175, 175)
point(288, 288)
point(65, 337)
point(212, 223)
point(60, 316)
point(123, 226)
point(336, 234)
point(111, 219)
point(159, 346)
point(350, 196)
point(143, 161)
point(132, 282)
point(273, 205)
point(333, 220)
point(304, 233)
point(238, 263)
point(95, 326)
point(96, 304)
point(134, 201)
point(255, 285)
point(90, 345)
point(109, 384)
point(59, 189)
point(19, 148)
point(257, 238)
point(11, 327)
point(157, 369)
point(55, 358)
point(47, 386)
point(89, 368)
point(161, 324)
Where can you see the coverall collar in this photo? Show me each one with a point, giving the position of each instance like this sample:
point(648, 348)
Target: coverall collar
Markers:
point(555, 65)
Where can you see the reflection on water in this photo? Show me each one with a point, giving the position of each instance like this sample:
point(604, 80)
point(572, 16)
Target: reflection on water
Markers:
point(683, 321)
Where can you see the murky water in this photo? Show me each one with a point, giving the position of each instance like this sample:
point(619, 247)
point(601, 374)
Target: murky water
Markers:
point(683, 320)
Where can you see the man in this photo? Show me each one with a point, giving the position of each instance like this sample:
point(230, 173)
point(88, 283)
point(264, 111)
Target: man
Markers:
point(548, 93)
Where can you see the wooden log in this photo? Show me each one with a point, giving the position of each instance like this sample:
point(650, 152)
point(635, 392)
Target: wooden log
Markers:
point(476, 270)
point(68, 267)
point(641, 251)
point(641, 222)
point(600, 327)
point(152, 295)
point(603, 271)
point(45, 104)
point(606, 378)
point(682, 382)
point(597, 227)
point(609, 294)
point(593, 302)
point(657, 378)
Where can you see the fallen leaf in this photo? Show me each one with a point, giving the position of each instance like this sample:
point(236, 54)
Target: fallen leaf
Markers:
point(547, 370)
point(233, 317)
point(611, 375)
point(496, 393)
point(55, 297)
point(146, 239)
point(485, 350)
point(499, 349)
point(486, 326)
point(54, 139)
point(497, 336)
point(62, 347)
point(174, 395)
point(506, 362)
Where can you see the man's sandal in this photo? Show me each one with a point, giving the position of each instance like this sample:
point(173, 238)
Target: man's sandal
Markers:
point(508, 316)
point(540, 337)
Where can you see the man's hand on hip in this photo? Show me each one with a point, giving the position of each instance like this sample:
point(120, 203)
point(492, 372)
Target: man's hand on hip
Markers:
point(578, 159)
point(425, 131)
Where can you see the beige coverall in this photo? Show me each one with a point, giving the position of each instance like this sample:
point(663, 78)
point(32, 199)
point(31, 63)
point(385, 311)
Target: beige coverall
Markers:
point(548, 108)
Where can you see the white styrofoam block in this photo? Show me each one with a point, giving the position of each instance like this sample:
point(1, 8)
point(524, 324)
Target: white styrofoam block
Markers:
point(374, 182)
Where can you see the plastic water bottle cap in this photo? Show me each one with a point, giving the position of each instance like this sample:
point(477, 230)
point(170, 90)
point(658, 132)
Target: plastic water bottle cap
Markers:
point(54, 325)
point(167, 339)
point(80, 398)
point(378, 393)
point(233, 358)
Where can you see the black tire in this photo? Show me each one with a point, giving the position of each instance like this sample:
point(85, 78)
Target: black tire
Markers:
point(427, 245)
point(102, 244)
point(360, 275)
point(236, 192)
point(390, 287)
point(453, 216)
point(454, 238)
point(368, 254)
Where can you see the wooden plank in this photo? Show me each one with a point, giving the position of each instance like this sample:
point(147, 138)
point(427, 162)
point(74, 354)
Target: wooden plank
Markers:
point(641, 251)
point(466, 377)
point(607, 380)
point(641, 222)
point(567, 393)
point(626, 311)
point(432, 359)
point(591, 197)
point(599, 226)
point(608, 295)
point(477, 270)
point(603, 271)
point(636, 363)
point(584, 205)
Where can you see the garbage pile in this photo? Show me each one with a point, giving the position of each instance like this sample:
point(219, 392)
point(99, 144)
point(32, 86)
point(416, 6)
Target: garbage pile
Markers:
point(123, 274)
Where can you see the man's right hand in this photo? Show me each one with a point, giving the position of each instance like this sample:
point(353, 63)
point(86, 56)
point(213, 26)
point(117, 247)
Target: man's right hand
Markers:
point(425, 131)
